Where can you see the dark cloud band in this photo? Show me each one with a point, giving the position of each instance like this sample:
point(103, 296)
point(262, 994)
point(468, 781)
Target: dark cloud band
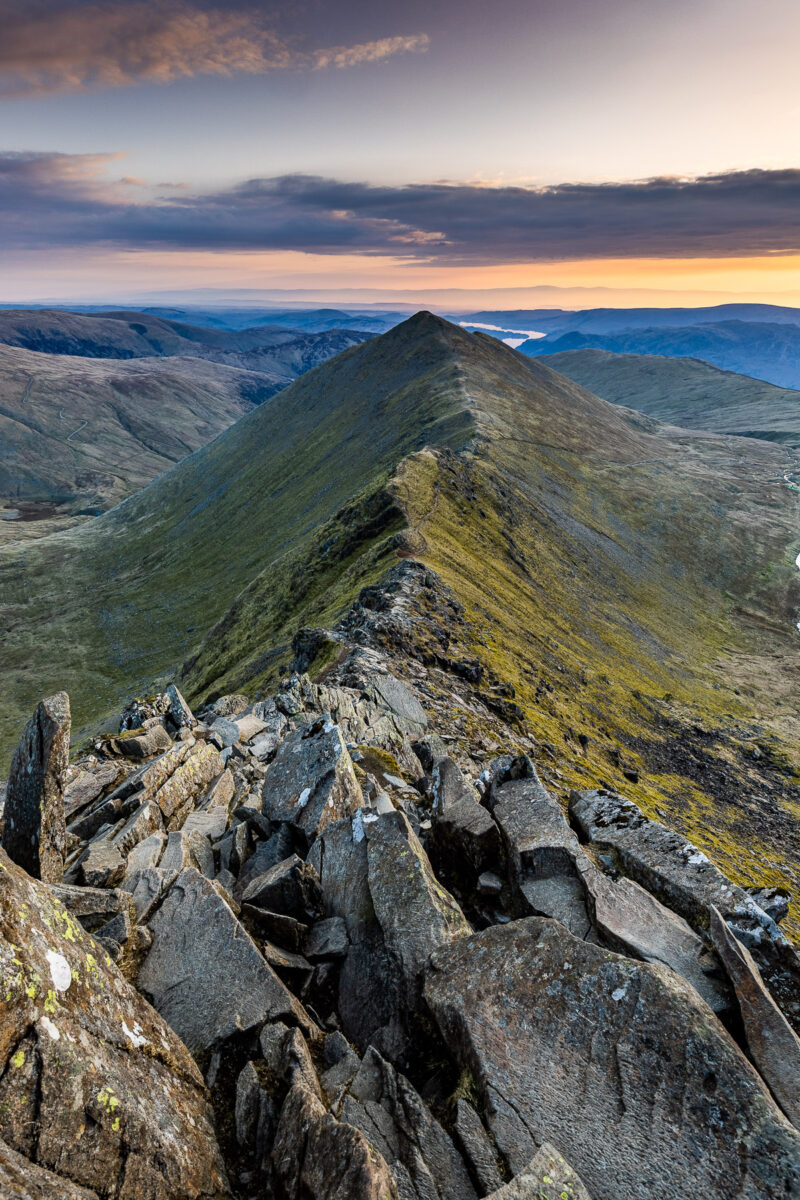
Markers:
point(63, 200)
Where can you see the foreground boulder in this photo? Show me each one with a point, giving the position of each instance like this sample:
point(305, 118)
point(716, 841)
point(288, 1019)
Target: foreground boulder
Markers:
point(565, 1038)
point(311, 783)
point(548, 1176)
point(34, 831)
point(204, 972)
point(95, 1087)
point(773, 1045)
point(684, 878)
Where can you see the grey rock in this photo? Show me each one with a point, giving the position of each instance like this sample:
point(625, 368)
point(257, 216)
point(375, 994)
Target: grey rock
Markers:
point(248, 726)
point(548, 1176)
point(291, 887)
point(327, 939)
point(545, 859)
point(205, 974)
point(221, 792)
point(20, 1179)
point(146, 744)
point(182, 716)
point(146, 853)
point(772, 1043)
point(276, 849)
point(119, 928)
point(657, 1099)
point(311, 782)
point(490, 884)
point(226, 730)
point(34, 829)
point(230, 706)
point(113, 1089)
point(212, 823)
point(233, 849)
point(399, 1126)
point(93, 907)
point(317, 1157)
point(633, 922)
point(248, 1093)
point(684, 879)
point(466, 839)
point(397, 697)
point(191, 849)
point(102, 866)
point(89, 784)
point(146, 888)
point(476, 1147)
point(143, 821)
point(286, 931)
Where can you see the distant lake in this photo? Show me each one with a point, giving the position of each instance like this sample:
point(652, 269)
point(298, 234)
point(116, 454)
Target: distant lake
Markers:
point(514, 341)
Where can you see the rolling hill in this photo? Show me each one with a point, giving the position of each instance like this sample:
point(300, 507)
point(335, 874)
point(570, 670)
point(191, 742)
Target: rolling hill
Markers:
point(688, 392)
point(630, 585)
point(768, 351)
point(276, 352)
point(80, 434)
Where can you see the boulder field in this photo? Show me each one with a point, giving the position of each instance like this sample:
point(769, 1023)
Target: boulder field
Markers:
point(298, 947)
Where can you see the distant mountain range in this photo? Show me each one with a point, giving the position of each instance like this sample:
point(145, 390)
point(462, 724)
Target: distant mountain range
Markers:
point(608, 320)
point(94, 406)
point(687, 392)
point(766, 351)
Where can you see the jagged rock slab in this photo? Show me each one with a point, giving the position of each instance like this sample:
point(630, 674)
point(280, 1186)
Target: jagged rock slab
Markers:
point(633, 922)
point(121, 1107)
point(466, 839)
point(415, 913)
point(182, 716)
point(291, 887)
point(317, 1157)
point(548, 1176)
point(399, 1126)
point(34, 829)
point(773, 1045)
point(93, 907)
point(388, 691)
point(684, 879)
point(142, 745)
point(561, 1035)
point(366, 978)
point(179, 793)
point(204, 972)
point(476, 1148)
point(89, 784)
point(20, 1179)
point(544, 856)
point(311, 782)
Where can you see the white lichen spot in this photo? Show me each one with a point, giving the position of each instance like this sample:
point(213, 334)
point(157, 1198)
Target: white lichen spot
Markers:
point(134, 1035)
point(694, 860)
point(619, 994)
point(60, 971)
point(358, 828)
point(303, 798)
point(50, 1028)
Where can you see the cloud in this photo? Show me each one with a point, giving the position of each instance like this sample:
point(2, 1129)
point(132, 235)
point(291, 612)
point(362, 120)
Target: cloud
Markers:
point(70, 45)
point(48, 200)
point(369, 52)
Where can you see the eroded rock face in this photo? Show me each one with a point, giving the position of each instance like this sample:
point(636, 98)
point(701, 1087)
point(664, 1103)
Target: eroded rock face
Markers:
point(773, 1045)
point(34, 830)
point(562, 1035)
point(311, 782)
point(204, 972)
point(95, 1087)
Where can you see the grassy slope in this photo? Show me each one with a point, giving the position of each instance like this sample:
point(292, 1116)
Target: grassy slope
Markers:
point(105, 608)
point(687, 392)
point(85, 433)
point(622, 576)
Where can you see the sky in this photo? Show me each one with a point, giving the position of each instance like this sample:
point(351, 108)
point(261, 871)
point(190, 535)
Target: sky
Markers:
point(525, 151)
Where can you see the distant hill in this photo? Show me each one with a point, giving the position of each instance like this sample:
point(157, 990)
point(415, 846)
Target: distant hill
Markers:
point(280, 353)
point(82, 433)
point(687, 392)
point(609, 320)
point(758, 348)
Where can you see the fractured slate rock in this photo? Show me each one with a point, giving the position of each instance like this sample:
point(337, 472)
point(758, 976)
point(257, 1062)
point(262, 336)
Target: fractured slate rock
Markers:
point(204, 972)
point(561, 1035)
point(548, 1176)
point(120, 1105)
point(291, 887)
point(684, 879)
point(311, 782)
point(773, 1045)
point(34, 830)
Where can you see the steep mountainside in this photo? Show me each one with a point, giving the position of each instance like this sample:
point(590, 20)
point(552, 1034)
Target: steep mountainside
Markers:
point(82, 433)
point(279, 353)
point(767, 351)
point(624, 592)
point(688, 392)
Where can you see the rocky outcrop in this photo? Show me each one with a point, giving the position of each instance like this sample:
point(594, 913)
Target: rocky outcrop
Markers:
point(95, 1087)
point(566, 1039)
point(548, 1176)
point(34, 831)
point(684, 879)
